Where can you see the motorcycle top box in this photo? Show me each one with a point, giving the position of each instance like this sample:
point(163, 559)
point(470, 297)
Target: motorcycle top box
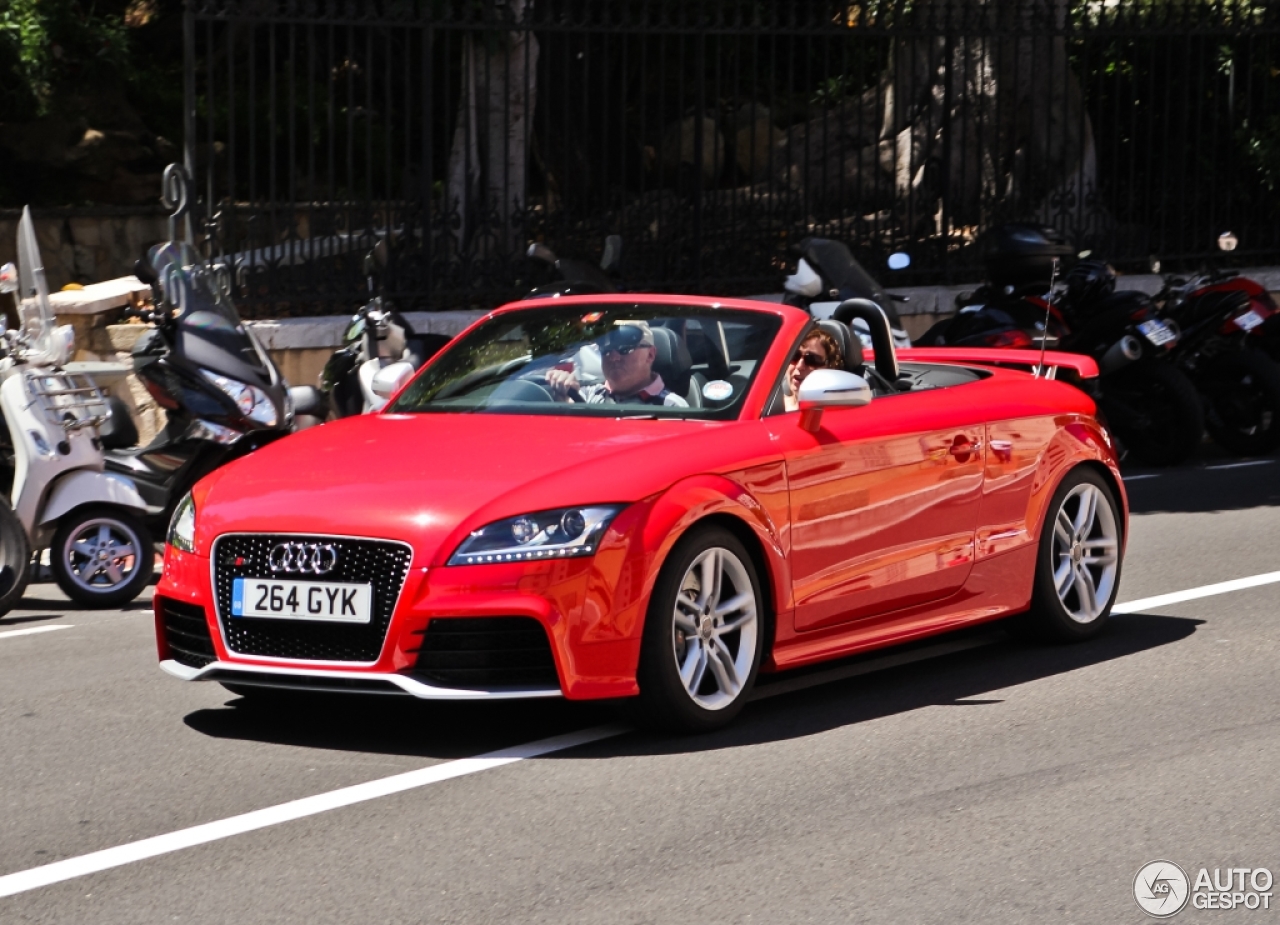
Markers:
point(1018, 254)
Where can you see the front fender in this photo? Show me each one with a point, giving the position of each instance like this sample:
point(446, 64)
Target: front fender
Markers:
point(88, 487)
point(694, 499)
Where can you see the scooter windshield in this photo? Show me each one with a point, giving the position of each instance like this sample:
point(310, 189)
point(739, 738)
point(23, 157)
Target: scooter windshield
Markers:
point(35, 312)
point(210, 332)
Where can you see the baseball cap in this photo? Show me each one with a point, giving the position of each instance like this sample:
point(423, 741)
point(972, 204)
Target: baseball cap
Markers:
point(629, 334)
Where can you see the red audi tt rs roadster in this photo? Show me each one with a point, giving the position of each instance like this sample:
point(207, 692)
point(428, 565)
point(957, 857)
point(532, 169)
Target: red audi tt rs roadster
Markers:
point(653, 499)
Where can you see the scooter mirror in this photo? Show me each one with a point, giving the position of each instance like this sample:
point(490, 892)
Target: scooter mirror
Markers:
point(8, 278)
point(541, 252)
point(899, 261)
point(145, 272)
point(388, 380)
point(1227, 242)
point(611, 261)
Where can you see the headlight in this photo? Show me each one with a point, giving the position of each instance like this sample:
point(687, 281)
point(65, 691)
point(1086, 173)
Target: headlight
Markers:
point(252, 402)
point(560, 534)
point(182, 528)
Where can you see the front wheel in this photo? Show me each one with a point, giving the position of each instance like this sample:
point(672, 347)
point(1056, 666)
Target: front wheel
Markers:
point(1155, 412)
point(101, 557)
point(1078, 562)
point(703, 635)
point(15, 559)
point(1241, 389)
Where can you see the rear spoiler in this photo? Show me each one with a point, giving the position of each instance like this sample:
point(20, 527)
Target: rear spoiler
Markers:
point(1084, 366)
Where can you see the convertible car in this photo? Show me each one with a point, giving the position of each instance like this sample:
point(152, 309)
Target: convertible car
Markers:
point(518, 523)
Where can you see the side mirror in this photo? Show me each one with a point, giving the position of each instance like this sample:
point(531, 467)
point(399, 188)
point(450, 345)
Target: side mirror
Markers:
point(541, 252)
point(8, 278)
point(824, 388)
point(391, 378)
point(145, 272)
point(1228, 242)
point(611, 261)
point(899, 261)
point(830, 388)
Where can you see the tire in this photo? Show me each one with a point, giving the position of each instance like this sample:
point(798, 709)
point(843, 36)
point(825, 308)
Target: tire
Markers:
point(1078, 562)
point(695, 675)
point(1155, 412)
point(1241, 390)
point(15, 559)
point(101, 556)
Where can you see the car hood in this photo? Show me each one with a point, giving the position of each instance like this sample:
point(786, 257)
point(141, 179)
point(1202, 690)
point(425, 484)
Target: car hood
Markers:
point(431, 479)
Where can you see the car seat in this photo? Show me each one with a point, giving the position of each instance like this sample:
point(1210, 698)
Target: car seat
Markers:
point(674, 364)
point(850, 345)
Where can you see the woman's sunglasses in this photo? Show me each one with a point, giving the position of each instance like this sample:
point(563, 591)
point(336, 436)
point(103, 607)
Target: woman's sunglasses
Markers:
point(811, 359)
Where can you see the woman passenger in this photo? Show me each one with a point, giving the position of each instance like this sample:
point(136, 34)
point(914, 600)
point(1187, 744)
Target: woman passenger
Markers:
point(819, 351)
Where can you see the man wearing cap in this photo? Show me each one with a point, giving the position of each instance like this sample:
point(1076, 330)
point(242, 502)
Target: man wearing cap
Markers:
point(627, 354)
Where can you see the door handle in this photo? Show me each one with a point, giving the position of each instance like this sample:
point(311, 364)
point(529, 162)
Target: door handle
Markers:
point(962, 448)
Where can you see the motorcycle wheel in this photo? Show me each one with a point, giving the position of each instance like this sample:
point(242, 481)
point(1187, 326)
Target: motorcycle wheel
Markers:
point(1154, 411)
point(1241, 389)
point(101, 556)
point(15, 560)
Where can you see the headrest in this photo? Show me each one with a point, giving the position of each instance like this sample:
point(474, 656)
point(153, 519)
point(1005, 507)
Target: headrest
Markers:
point(850, 344)
point(672, 361)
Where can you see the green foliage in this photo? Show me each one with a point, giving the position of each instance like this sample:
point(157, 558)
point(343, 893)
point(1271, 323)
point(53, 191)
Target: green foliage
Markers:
point(48, 45)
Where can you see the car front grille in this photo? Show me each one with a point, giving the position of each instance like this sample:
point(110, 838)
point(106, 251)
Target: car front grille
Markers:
point(186, 632)
point(486, 653)
point(380, 563)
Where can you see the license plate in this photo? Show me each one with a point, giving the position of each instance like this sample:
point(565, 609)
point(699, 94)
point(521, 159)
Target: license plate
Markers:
point(279, 599)
point(1157, 332)
point(1248, 321)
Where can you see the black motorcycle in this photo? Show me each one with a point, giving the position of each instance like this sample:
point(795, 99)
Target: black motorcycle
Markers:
point(377, 335)
point(1148, 403)
point(222, 395)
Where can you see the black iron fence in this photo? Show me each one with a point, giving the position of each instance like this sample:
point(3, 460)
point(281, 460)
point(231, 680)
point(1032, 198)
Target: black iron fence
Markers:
point(713, 135)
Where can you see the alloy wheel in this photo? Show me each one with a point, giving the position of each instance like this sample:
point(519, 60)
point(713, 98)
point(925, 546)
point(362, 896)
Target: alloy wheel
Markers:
point(1086, 553)
point(714, 628)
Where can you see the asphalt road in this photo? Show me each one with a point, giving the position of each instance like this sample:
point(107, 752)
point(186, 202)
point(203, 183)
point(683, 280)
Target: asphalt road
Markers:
point(973, 779)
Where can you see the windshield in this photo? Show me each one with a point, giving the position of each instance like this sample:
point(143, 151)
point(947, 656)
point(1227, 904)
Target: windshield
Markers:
point(616, 360)
point(210, 332)
point(35, 313)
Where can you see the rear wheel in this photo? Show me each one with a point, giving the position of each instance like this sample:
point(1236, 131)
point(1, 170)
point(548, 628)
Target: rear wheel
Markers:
point(1155, 412)
point(1241, 389)
point(1078, 563)
point(101, 557)
point(703, 635)
point(15, 559)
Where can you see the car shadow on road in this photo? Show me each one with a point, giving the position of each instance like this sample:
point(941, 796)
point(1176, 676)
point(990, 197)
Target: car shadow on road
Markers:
point(393, 725)
point(1204, 489)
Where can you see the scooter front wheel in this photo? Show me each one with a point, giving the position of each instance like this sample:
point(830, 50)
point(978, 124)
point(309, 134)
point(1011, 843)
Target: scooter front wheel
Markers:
point(101, 557)
point(15, 559)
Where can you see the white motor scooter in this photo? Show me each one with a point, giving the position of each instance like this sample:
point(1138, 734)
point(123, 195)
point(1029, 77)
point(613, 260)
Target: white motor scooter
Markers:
point(100, 553)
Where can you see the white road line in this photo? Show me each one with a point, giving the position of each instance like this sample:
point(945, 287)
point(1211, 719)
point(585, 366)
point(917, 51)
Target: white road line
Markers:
point(31, 631)
point(1191, 594)
point(59, 871)
point(1240, 465)
point(1134, 478)
point(286, 812)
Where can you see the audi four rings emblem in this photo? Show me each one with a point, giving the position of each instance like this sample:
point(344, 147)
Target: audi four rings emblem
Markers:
point(314, 558)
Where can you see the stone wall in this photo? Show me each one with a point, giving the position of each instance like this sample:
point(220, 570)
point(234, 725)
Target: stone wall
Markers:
point(85, 246)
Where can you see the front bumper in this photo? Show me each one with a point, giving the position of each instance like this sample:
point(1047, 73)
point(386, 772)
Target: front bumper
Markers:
point(341, 682)
point(590, 611)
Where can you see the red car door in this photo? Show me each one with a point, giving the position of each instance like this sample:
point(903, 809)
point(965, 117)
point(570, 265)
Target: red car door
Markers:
point(884, 503)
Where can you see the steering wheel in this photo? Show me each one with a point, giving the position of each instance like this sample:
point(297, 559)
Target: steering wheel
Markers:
point(514, 390)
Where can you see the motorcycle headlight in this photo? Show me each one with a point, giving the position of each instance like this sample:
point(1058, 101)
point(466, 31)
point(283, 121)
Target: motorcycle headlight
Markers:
point(560, 534)
point(252, 402)
point(182, 528)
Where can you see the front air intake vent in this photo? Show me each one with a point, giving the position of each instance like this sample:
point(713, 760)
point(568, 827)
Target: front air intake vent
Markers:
point(486, 653)
point(186, 632)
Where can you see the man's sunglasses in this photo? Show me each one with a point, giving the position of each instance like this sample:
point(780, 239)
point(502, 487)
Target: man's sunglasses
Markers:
point(811, 359)
point(621, 350)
